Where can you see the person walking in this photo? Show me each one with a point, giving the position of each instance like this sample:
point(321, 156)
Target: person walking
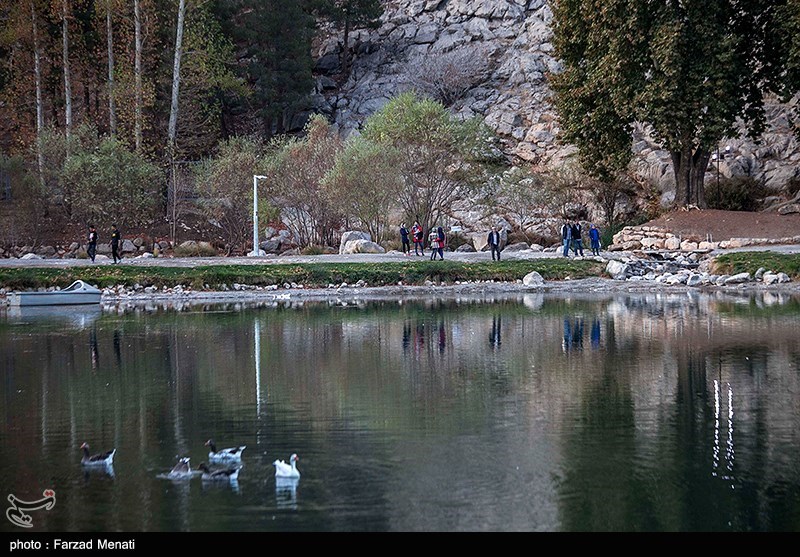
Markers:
point(91, 247)
point(594, 239)
point(433, 240)
point(404, 239)
point(441, 241)
point(494, 243)
point(115, 239)
point(418, 238)
point(566, 236)
point(577, 243)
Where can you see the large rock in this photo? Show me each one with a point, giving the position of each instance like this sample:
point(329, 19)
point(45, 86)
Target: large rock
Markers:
point(672, 244)
point(361, 246)
point(789, 209)
point(351, 235)
point(465, 248)
point(30, 256)
point(273, 245)
point(738, 278)
point(617, 269)
point(519, 246)
point(533, 279)
point(129, 247)
point(46, 251)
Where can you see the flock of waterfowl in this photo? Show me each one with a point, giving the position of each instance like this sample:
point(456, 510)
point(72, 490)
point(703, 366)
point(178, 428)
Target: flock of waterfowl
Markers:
point(226, 462)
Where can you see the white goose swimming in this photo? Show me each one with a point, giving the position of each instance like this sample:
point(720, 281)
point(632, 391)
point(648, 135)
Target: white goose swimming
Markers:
point(224, 455)
point(283, 470)
point(182, 469)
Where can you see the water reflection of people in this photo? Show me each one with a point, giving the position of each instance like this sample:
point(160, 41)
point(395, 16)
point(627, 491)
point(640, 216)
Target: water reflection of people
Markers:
point(573, 334)
point(93, 346)
point(596, 333)
point(442, 337)
point(117, 347)
point(406, 336)
point(494, 336)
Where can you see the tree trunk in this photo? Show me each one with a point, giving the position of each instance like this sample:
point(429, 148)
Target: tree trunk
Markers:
point(37, 72)
point(112, 113)
point(690, 170)
point(137, 20)
point(67, 82)
point(346, 47)
point(176, 77)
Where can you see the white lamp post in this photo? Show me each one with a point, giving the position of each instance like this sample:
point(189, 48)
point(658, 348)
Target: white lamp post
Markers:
point(256, 251)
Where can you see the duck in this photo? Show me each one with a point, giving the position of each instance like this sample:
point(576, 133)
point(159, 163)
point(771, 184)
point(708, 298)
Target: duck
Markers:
point(283, 470)
point(182, 468)
point(100, 459)
point(232, 453)
point(227, 474)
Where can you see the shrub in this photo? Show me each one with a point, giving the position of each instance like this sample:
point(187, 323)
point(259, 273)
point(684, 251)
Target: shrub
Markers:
point(740, 193)
point(195, 249)
point(313, 249)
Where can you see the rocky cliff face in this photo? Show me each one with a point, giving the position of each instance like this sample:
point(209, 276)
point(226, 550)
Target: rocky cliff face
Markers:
point(507, 45)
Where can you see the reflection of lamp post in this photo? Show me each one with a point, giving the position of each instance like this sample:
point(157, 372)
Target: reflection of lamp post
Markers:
point(255, 251)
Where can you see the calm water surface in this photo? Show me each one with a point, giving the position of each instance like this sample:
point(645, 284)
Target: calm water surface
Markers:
point(525, 413)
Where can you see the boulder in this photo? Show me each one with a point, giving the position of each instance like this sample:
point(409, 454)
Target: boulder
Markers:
point(694, 280)
point(533, 279)
point(686, 245)
point(104, 249)
point(672, 244)
point(789, 209)
point(759, 273)
point(272, 245)
point(769, 278)
point(617, 269)
point(46, 251)
point(707, 245)
point(352, 235)
point(30, 256)
point(138, 242)
point(361, 246)
point(783, 277)
point(289, 252)
point(465, 248)
point(519, 246)
point(129, 247)
point(738, 278)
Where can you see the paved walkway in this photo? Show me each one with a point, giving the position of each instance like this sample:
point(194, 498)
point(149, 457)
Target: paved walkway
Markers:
point(393, 256)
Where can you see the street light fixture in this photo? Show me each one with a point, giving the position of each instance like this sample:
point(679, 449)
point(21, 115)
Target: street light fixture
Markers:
point(256, 251)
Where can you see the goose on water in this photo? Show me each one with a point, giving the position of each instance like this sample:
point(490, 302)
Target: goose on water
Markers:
point(226, 474)
point(181, 469)
point(230, 454)
point(100, 459)
point(283, 470)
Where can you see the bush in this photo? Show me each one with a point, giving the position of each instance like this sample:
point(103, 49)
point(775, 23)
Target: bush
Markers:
point(195, 249)
point(313, 249)
point(740, 193)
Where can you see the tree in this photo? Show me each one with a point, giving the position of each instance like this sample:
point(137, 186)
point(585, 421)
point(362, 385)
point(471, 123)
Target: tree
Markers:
point(110, 183)
point(276, 36)
point(364, 184)
point(437, 153)
point(522, 195)
point(297, 169)
point(112, 112)
point(446, 77)
point(225, 184)
point(37, 70)
point(65, 68)
point(138, 98)
point(350, 14)
point(176, 78)
point(691, 70)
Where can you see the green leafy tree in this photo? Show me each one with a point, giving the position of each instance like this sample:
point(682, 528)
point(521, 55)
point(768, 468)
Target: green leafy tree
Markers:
point(690, 69)
point(439, 155)
point(111, 183)
point(364, 184)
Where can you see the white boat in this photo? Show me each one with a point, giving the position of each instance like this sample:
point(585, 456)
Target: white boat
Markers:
point(76, 293)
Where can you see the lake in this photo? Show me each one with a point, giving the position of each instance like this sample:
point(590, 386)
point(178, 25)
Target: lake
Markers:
point(525, 412)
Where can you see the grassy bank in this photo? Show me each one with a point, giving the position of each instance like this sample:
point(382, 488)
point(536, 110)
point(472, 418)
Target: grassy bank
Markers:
point(308, 274)
point(751, 261)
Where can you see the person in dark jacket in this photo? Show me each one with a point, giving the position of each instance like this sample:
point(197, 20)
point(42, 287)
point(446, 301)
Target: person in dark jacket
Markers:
point(116, 237)
point(577, 243)
point(494, 243)
point(404, 239)
point(91, 246)
point(594, 238)
point(418, 238)
point(441, 242)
